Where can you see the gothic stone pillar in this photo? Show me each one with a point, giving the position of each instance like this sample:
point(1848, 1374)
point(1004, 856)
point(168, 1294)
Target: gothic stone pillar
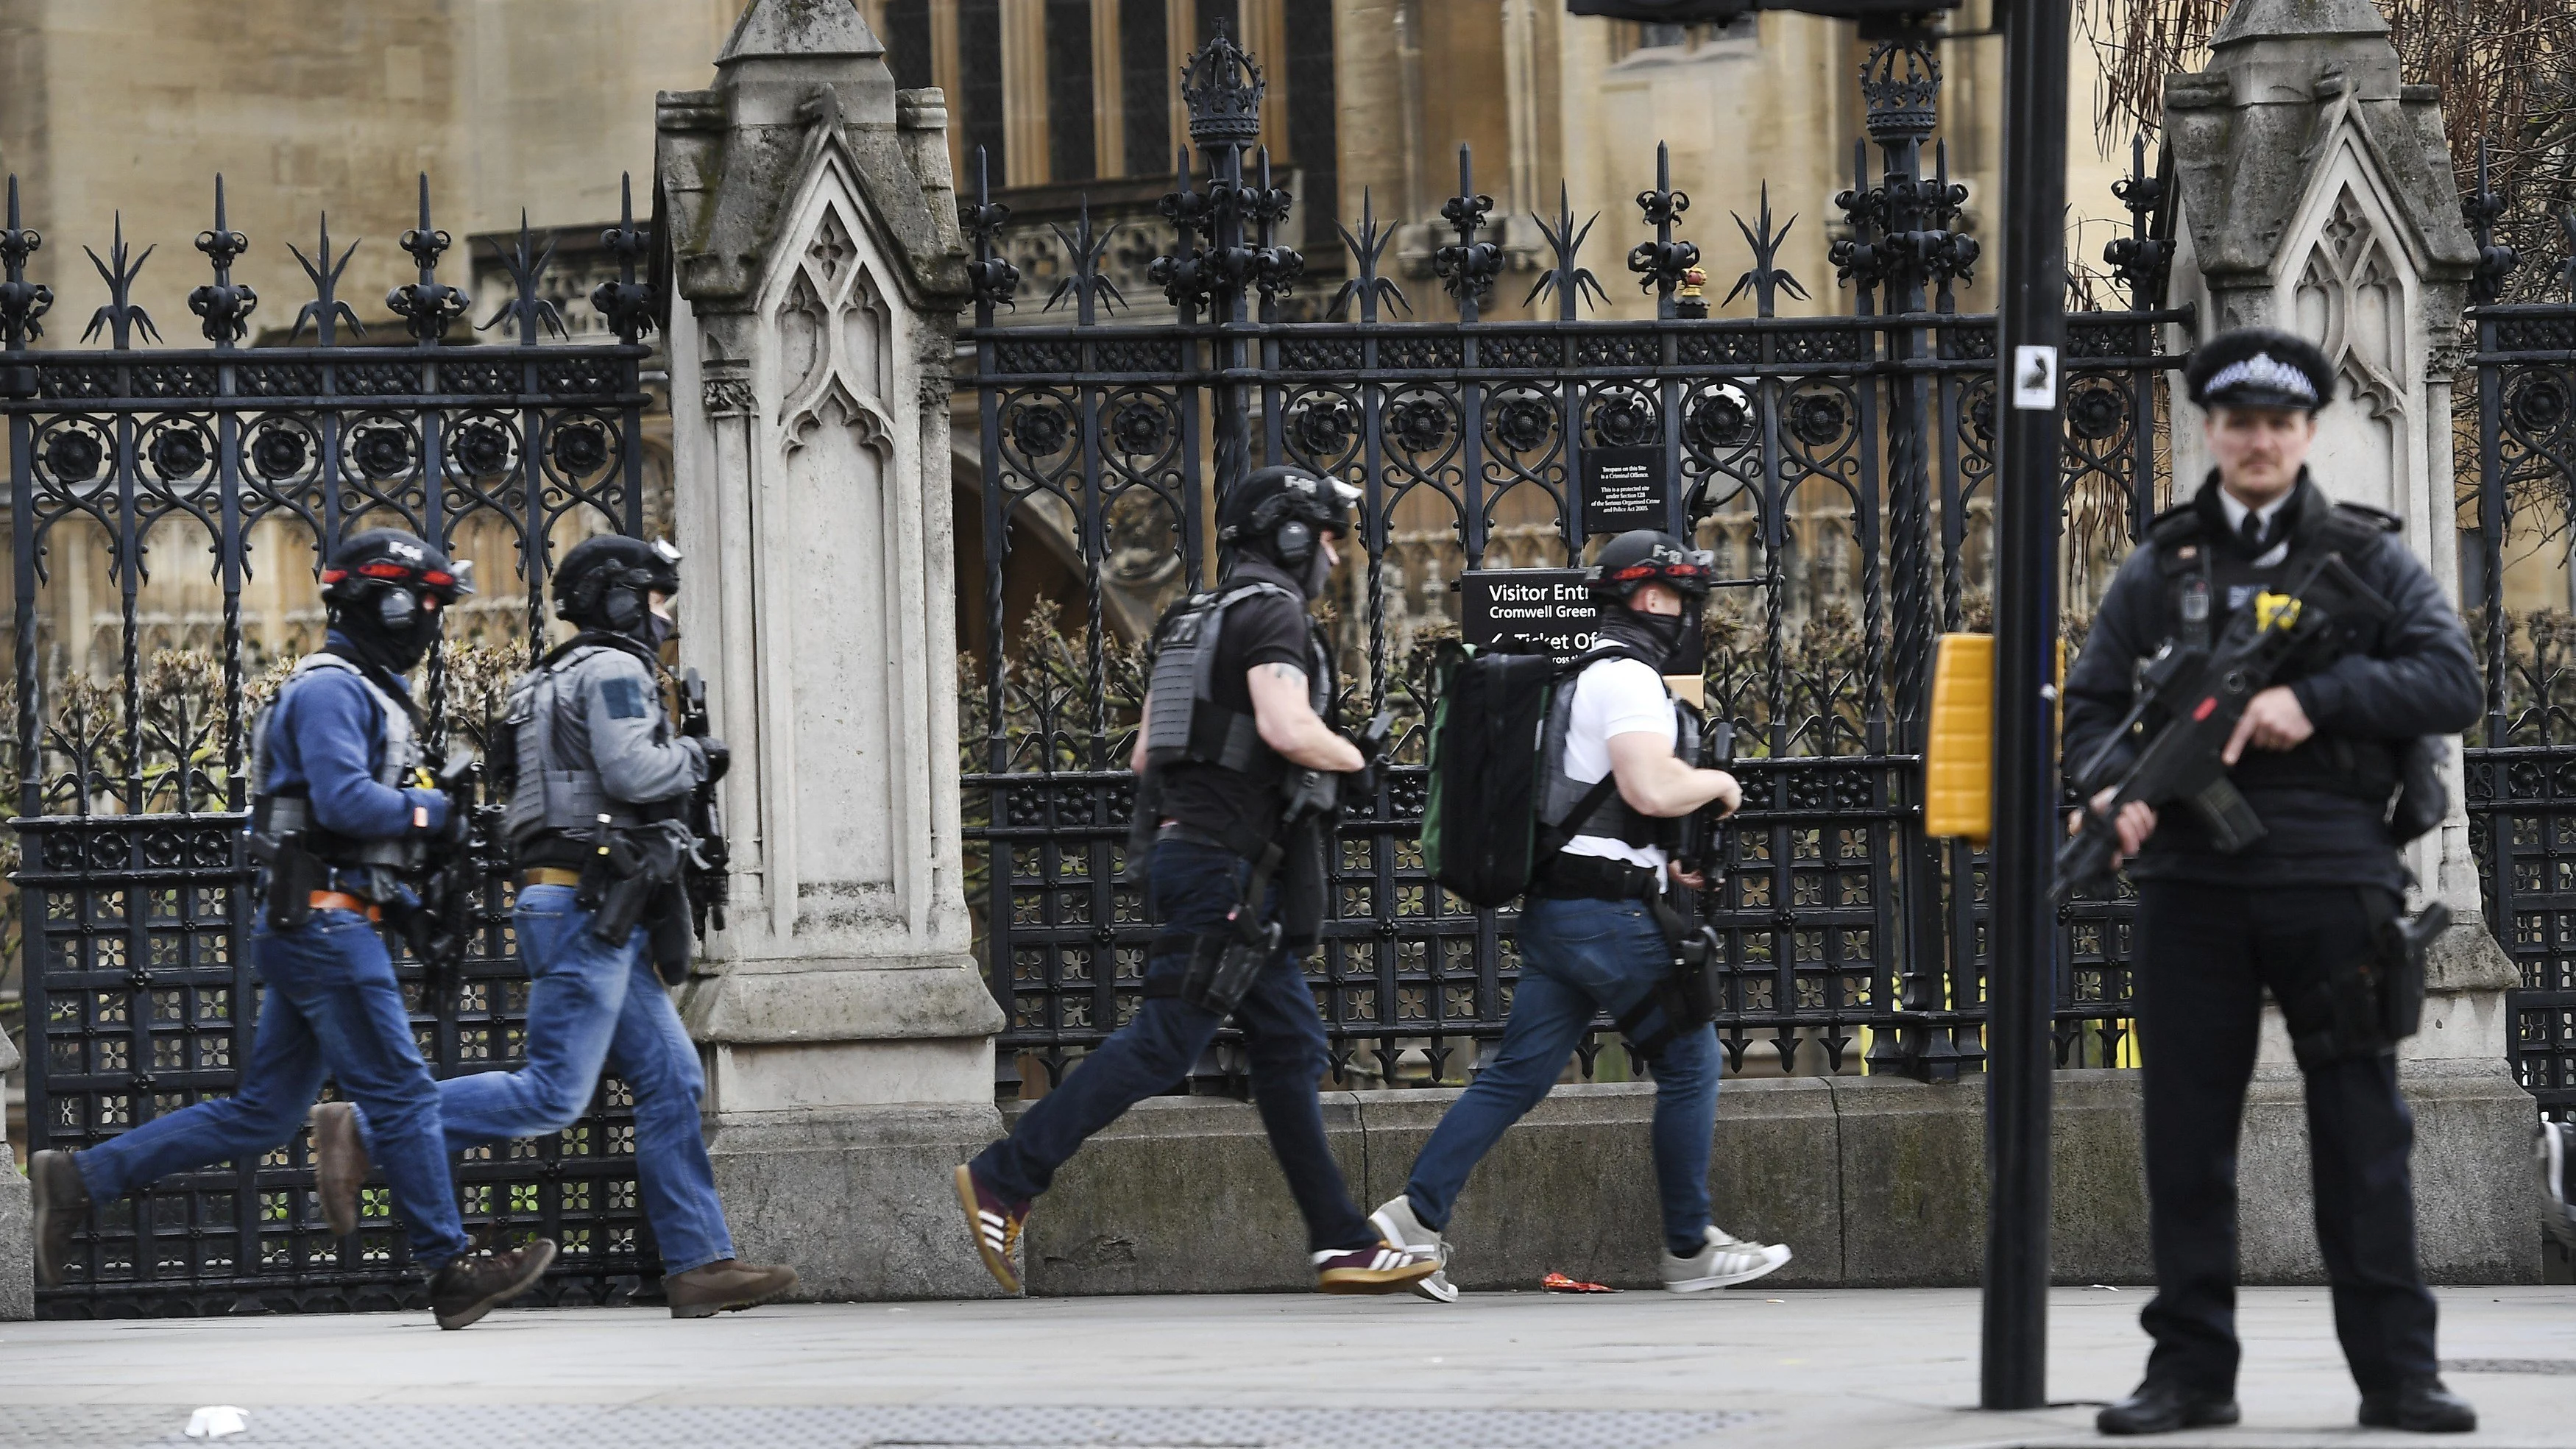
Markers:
point(817, 267)
point(17, 1218)
point(2316, 196)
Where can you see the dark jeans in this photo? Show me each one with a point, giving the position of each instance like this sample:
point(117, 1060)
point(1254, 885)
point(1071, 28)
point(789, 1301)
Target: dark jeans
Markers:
point(2206, 954)
point(1581, 958)
point(331, 1005)
point(1193, 888)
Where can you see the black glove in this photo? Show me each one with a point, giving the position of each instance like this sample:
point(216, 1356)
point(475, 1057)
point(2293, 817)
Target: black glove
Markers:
point(719, 757)
point(459, 825)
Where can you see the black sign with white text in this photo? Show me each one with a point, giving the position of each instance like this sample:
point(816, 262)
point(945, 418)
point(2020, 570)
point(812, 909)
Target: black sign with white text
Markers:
point(1550, 605)
point(1623, 488)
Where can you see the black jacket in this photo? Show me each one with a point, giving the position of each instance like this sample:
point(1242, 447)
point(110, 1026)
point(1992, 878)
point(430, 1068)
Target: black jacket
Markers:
point(2410, 676)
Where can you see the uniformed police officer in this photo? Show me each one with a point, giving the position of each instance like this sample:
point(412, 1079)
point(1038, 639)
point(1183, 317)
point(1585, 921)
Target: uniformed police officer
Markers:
point(1242, 681)
point(2316, 756)
point(340, 821)
point(599, 780)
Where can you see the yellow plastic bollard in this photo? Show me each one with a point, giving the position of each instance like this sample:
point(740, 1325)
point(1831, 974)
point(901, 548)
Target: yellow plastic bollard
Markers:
point(1959, 758)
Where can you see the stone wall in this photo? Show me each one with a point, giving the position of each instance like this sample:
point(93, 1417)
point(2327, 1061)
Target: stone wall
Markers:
point(1875, 1182)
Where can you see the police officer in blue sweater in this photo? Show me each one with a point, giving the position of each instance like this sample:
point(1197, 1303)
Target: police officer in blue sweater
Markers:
point(341, 820)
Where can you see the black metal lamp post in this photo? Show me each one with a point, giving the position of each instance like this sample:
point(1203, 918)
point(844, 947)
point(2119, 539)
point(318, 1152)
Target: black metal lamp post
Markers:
point(2021, 985)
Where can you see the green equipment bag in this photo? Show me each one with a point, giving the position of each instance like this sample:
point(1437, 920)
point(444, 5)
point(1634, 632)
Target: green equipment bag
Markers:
point(1481, 831)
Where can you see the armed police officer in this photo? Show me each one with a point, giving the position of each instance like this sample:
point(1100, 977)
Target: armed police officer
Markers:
point(2301, 912)
point(1597, 931)
point(1234, 717)
point(342, 822)
point(598, 788)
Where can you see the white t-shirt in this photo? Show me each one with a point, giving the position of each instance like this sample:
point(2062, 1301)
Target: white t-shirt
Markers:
point(1614, 697)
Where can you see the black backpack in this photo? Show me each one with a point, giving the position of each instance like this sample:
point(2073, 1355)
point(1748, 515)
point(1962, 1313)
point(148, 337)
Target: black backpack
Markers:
point(1480, 827)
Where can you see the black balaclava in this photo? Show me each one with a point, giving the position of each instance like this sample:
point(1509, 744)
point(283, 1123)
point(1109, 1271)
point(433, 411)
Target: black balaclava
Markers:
point(393, 628)
point(1659, 637)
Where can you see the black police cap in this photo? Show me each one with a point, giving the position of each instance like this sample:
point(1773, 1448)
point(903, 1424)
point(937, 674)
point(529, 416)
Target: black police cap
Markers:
point(2259, 367)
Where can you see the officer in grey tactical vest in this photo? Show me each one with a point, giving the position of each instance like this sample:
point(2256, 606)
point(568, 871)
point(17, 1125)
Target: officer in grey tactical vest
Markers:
point(2300, 912)
point(598, 780)
point(342, 816)
point(1235, 715)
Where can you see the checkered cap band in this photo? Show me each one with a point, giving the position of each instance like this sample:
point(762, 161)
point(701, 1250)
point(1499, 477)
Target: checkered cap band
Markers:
point(2262, 370)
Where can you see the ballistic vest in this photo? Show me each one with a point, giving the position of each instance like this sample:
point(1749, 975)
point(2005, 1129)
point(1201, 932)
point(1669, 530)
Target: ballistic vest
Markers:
point(1614, 818)
point(373, 867)
point(549, 790)
point(1185, 721)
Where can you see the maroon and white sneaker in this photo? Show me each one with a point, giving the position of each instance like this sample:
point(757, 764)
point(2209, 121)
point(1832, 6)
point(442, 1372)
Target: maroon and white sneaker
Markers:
point(995, 1225)
point(1384, 1268)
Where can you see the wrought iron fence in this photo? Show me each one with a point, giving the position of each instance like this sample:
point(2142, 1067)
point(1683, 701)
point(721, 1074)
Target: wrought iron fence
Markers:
point(130, 786)
point(2521, 762)
point(1842, 464)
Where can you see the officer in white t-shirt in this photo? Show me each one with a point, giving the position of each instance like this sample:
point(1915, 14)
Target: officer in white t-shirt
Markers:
point(1591, 941)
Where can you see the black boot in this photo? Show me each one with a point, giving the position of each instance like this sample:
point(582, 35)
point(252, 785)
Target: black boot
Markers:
point(2421, 1405)
point(62, 1201)
point(2161, 1408)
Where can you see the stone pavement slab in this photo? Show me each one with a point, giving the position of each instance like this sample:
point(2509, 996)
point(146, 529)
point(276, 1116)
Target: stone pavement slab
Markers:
point(1854, 1369)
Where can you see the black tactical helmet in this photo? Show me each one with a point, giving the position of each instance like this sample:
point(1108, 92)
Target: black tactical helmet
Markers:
point(385, 589)
point(1280, 511)
point(1642, 556)
point(2258, 367)
point(608, 582)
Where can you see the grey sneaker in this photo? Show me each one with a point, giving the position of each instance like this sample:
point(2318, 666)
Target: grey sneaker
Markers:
point(1726, 1260)
point(2555, 1149)
point(1404, 1229)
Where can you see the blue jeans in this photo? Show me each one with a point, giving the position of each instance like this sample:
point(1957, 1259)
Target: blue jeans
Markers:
point(1581, 958)
point(1194, 886)
point(331, 1006)
point(591, 1004)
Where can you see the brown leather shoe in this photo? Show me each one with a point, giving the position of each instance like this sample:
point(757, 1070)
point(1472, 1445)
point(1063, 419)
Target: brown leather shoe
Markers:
point(339, 1164)
point(62, 1203)
point(478, 1282)
point(724, 1286)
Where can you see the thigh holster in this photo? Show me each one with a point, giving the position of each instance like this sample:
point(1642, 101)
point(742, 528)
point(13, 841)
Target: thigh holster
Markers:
point(1219, 970)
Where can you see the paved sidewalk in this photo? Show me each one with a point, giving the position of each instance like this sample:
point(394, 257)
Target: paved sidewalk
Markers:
point(1743, 1370)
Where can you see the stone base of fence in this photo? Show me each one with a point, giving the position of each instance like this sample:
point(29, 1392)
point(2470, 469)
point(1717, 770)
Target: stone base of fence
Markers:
point(858, 1199)
point(1876, 1182)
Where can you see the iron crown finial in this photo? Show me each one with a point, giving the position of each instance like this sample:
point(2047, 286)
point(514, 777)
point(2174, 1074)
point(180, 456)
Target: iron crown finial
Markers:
point(1223, 87)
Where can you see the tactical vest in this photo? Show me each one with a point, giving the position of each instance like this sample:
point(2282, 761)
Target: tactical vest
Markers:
point(545, 795)
point(1185, 722)
point(1614, 818)
point(370, 868)
point(2206, 581)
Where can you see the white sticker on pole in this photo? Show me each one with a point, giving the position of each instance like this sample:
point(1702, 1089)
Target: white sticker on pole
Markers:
point(2034, 379)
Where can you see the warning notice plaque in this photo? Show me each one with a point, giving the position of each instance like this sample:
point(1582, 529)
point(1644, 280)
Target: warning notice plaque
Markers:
point(1623, 488)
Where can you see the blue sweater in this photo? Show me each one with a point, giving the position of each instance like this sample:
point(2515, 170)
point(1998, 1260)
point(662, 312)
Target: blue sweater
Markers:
point(327, 734)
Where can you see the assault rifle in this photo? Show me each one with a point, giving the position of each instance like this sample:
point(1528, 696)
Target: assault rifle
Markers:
point(441, 928)
point(2201, 694)
point(705, 875)
point(1706, 831)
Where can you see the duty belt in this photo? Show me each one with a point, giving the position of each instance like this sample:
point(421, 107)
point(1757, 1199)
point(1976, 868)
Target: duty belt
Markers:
point(548, 875)
point(343, 901)
point(1572, 877)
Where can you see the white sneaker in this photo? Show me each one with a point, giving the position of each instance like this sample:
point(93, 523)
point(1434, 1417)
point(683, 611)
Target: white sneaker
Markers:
point(1726, 1260)
point(1397, 1221)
